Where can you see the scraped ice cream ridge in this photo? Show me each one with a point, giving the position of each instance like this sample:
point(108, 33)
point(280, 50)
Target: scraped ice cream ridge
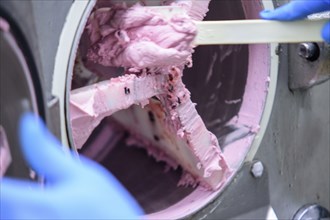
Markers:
point(124, 108)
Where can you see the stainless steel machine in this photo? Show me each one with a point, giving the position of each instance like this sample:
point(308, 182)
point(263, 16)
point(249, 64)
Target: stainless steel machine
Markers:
point(285, 171)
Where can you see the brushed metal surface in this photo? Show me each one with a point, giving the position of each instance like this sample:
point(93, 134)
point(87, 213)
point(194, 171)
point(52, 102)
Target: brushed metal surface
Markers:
point(296, 147)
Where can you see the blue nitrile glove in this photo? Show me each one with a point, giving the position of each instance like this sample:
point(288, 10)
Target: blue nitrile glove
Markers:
point(74, 189)
point(299, 9)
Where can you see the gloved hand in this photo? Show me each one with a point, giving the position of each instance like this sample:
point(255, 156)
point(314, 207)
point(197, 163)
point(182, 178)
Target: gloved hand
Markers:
point(73, 189)
point(299, 9)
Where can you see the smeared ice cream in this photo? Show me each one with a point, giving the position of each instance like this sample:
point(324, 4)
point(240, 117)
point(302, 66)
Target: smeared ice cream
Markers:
point(4, 26)
point(154, 51)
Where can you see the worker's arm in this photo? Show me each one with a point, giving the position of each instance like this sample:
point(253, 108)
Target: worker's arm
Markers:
point(74, 188)
point(299, 9)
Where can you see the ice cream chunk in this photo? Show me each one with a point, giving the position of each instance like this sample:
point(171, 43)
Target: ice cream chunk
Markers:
point(139, 37)
point(154, 51)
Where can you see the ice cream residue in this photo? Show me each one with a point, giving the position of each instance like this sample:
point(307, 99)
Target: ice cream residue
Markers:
point(5, 156)
point(4, 26)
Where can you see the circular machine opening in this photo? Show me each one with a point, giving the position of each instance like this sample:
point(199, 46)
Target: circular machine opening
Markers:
point(230, 85)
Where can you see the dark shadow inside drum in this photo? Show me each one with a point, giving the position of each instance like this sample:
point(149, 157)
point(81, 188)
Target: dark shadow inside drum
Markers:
point(219, 73)
point(216, 82)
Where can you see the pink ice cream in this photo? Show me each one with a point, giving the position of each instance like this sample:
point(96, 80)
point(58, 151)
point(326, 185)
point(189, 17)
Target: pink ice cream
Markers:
point(154, 50)
point(139, 37)
point(89, 105)
point(171, 130)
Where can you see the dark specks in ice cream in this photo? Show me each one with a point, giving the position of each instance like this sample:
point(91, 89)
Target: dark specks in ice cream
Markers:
point(127, 91)
point(151, 116)
point(170, 77)
point(170, 88)
point(156, 137)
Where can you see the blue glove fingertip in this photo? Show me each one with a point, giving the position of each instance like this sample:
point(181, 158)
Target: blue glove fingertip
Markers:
point(265, 14)
point(42, 150)
point(326, 32)
point(296, 9)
